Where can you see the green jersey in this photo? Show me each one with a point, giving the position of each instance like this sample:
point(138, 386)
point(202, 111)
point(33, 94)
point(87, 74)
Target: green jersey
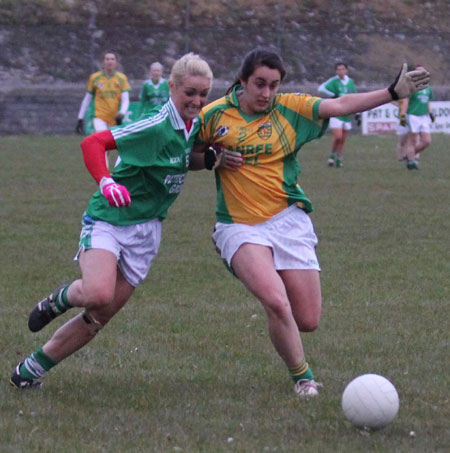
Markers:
point(418, 102)
point(154, 155)
point(153, 95)
point(337, 87)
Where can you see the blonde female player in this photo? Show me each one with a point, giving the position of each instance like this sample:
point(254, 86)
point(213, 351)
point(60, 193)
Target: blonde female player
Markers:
point(121, 229)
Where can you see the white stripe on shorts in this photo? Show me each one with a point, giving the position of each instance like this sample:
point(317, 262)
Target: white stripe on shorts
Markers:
point(135, 246)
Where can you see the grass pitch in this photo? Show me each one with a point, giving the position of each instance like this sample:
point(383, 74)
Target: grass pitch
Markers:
point(188, 365)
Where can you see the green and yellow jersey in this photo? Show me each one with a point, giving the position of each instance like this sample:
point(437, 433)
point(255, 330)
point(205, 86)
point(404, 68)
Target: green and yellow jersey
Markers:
point(267, 182)
point(106, 91)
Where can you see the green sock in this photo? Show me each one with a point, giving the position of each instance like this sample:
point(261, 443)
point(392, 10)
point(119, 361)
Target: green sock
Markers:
point(332, 155)
point(301, 371)
point(36, 365)
point(61, 302)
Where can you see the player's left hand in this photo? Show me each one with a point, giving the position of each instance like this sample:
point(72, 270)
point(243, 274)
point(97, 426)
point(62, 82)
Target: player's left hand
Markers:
point(119, 119)
point(407, 83)
point(116, 194)
point(358, 119)
point(432, 117)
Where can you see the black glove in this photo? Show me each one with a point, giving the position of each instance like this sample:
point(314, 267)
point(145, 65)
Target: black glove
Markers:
point(407, 83)
point(119, 119)
point(80, 127)
point(432, 117)
point(211, 154)
point(402, 120)
point(358, 119)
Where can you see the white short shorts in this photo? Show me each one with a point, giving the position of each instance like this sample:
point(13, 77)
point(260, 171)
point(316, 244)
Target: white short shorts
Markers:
point(402, 130)
point(419, 123)
point(135, 246)
point(290, 235)
point(99, 125)
point(336, 123)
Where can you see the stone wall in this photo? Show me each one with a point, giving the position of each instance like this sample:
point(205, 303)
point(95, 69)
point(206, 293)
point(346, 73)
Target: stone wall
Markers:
point(50, 47)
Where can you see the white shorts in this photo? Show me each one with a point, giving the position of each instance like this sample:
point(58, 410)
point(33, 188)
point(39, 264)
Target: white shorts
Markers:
point(290, 235)
point(135, 246)
point(336, 123)
point(402, 130)
point(99, 125)
point(419, 123)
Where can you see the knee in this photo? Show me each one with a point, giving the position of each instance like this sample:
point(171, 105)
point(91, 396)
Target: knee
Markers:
point(99, 298)
point(308, 324)
point(277, 306)
point(309, 321)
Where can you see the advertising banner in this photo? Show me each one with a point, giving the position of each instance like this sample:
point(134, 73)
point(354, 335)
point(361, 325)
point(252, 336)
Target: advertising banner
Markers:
point(384, 119)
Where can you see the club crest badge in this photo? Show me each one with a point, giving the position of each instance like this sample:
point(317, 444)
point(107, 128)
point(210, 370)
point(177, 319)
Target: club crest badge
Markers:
point(221, 131)
point(265, 131)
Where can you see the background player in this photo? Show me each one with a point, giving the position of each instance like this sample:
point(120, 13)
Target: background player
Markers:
point(419, 116)
point(338, 86)
point(402, 134)
point(110, 91)
point(154, 91)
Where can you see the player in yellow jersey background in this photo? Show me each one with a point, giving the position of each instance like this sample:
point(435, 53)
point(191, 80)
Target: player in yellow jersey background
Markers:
point(263, 230)
point(109, 89)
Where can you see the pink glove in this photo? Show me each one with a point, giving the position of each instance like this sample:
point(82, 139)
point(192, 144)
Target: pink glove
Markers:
point(116, 194)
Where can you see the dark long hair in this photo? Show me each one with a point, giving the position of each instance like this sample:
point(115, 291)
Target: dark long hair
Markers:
point(255, 59)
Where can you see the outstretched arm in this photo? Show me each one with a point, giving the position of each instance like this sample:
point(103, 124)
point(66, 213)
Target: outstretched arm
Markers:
point(403, 86)
point(353, 103)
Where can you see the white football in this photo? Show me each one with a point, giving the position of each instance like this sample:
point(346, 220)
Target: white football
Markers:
point(370, 401)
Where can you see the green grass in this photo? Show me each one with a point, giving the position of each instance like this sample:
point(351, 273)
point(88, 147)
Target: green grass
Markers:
point(188, 365)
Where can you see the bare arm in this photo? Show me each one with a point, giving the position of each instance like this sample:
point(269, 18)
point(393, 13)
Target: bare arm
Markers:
point(197, 159)
point(404, 106)
point(403, 86)
point(353, 103)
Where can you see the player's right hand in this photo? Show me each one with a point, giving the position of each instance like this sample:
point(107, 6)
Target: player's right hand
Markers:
point(80, 127)
point(216, 156)
point(231, 160)
point(402, 120)
point(407, 83)
point(116, 194)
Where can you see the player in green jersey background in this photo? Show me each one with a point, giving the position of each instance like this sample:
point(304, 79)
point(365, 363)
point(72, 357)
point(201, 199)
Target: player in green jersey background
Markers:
point(154, 91)
point(121, 229)
point(418, 118)
point(339, 85)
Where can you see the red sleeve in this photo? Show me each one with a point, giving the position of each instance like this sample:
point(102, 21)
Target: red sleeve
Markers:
point(94, 148)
